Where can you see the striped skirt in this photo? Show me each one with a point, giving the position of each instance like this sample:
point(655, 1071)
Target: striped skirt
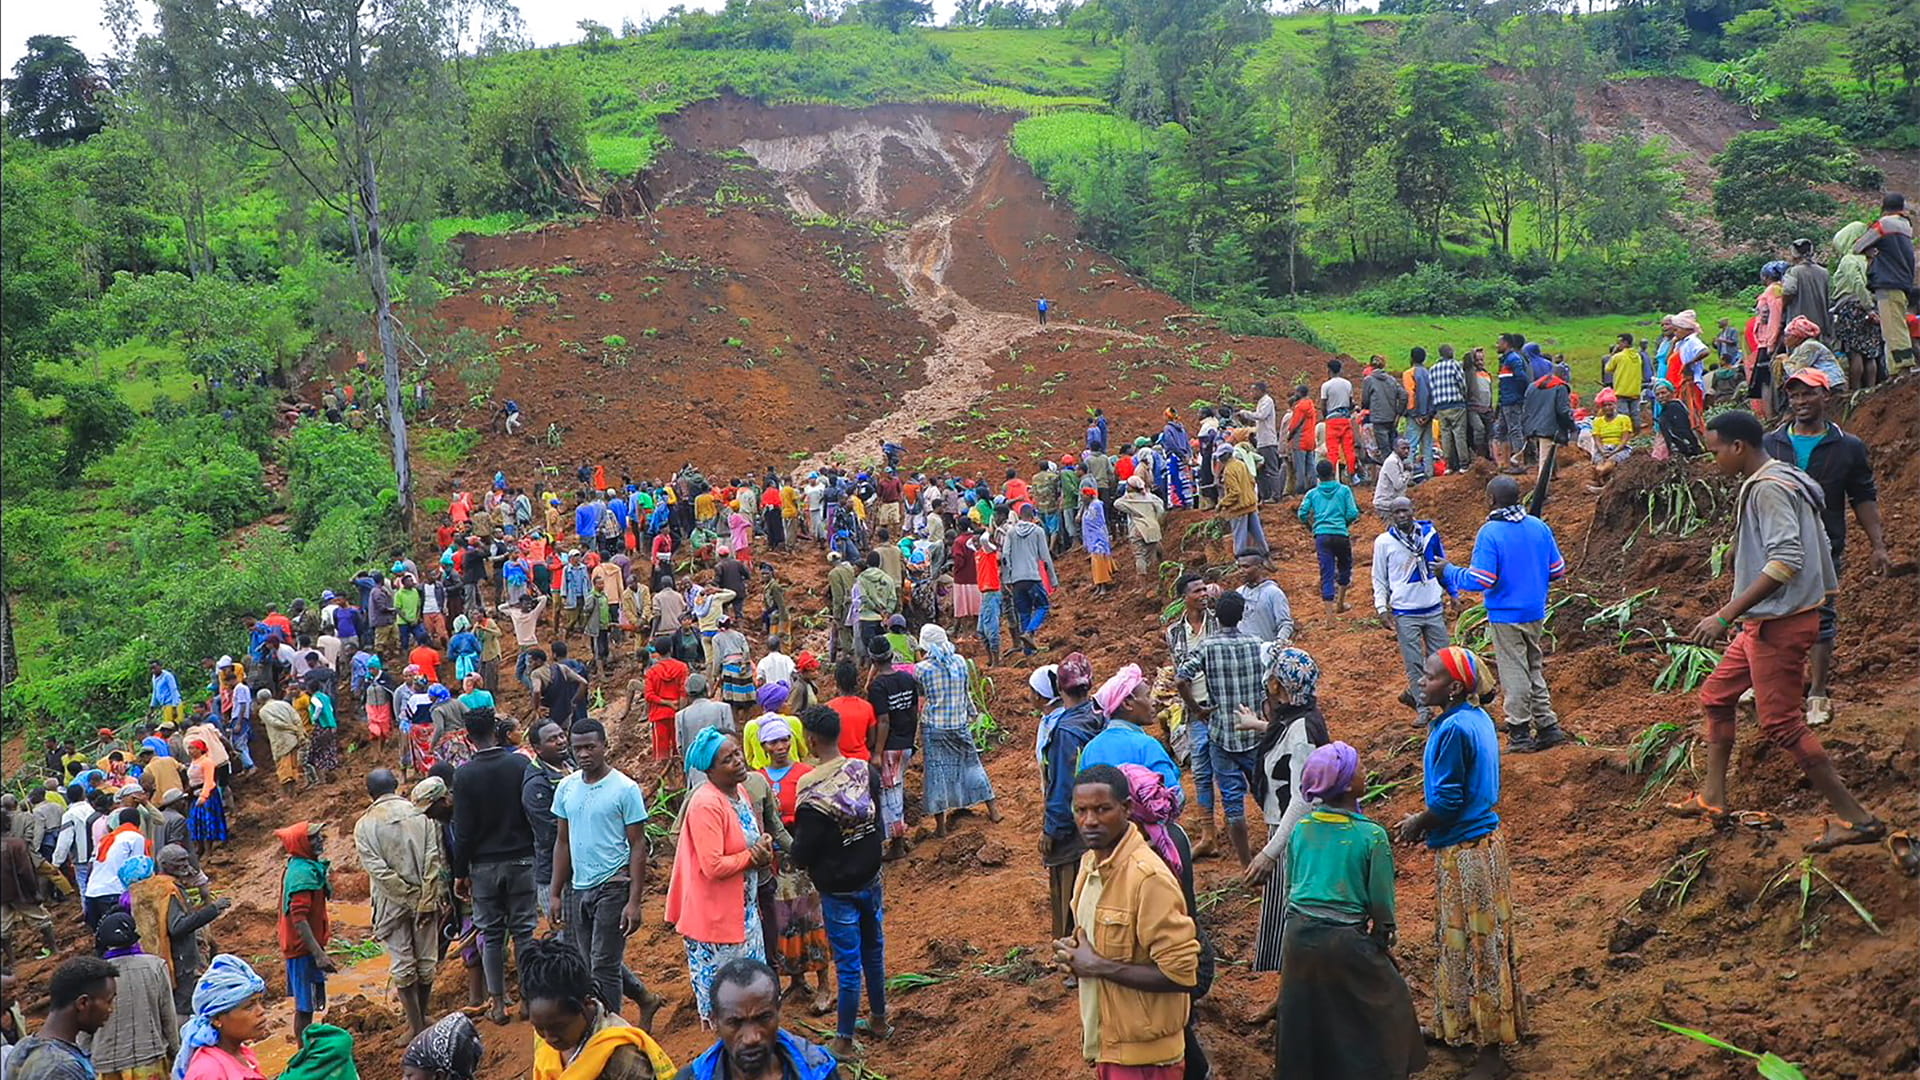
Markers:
point(1476, 984)
point(1273, 902)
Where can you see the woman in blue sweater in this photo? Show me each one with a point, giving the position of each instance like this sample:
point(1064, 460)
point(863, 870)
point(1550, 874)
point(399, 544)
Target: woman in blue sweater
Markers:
point(1476, 987)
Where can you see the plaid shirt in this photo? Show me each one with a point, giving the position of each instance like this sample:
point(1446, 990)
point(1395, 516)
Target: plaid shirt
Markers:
point(1236, 675)
point(1449, 381)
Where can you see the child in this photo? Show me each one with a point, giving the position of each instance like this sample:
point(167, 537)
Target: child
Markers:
point(1723, 385)
point(303, 920)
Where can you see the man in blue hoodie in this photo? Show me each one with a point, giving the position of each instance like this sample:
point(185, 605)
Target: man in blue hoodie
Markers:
point(1515, 559)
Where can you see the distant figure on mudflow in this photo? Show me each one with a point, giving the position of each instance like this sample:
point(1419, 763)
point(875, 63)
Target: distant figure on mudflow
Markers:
point(1040, 304)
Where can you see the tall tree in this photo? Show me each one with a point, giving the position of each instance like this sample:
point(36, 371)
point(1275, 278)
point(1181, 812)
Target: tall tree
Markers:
point(1554, 65)
point(349, 96)
point(1631, 188)
point(1504, 184)
point(1351, 86)
point(1768, 189)
point(1182, 43)
point(52, 97)
point(1440, 130)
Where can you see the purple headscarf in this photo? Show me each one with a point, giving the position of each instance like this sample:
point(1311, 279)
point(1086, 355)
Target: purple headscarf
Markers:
point(1329, 771)
point(773, 695)
point(1154, 804)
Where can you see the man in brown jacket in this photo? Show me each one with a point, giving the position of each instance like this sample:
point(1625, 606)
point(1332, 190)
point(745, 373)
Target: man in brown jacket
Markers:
point(1136, 951)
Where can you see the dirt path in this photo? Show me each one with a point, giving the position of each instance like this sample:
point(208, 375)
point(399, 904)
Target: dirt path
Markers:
point(959, 370)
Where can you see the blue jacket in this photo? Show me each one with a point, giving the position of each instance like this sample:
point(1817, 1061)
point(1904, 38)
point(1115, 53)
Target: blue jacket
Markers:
point(1125, 743)
point(1072, 730)
point(1462, 775)
point(1514, 378)
point(1329, 507)
point(586, 520)
point(1513, 563)
point(806, 1060)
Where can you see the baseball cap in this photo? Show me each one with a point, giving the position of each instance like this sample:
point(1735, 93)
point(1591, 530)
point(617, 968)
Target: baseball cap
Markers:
point(1812, 377)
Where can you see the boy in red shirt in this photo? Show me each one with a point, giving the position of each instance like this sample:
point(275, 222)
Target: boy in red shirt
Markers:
point(666, 687)
point(303, 920)
point(986, 572)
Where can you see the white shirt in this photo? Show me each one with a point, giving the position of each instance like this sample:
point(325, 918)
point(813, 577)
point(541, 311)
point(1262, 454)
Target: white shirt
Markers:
point(105, 878)
point(1338, 394)
point(328, 646)
point(774, 668)
point(242, 701)
point(73, 827)
point(1401, 582)
point(1392, 482)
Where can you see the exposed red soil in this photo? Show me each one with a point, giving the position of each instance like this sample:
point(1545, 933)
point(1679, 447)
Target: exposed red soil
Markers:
point(1598, 958)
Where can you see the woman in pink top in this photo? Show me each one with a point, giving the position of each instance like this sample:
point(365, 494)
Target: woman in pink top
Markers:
point(227, 1015)
point(1768, 312)
point(712, 899)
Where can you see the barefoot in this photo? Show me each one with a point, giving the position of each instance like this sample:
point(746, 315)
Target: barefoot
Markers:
point(842, 1048)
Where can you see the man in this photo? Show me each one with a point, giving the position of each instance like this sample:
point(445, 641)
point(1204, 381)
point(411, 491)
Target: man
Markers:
point(752, 1045)
point(699, 713)
point(1240, 504)
point(1515, 560)
point(399, 847)
point(1623, 368)
point(20, 892)
point(1268, 615)
point(986, 574)
point(1336, 406)
point(600, 866)
point(1447, 387)
point(776, 666)
point(1384, 400)
point(551, 764)
point(1231, 660)
point(1026, 554)
point(1136, 985)
point(1782, 574)
point(1303, 424)
point(840, 578)
point(879, 598)
point(1065, 732)
point(1818, 447)
point(166, 693)
point(557, 686)
point(664, 686)
point(837, 841)
point(1394, 478)
point(1266, 442)
point(1409, 599)
point(80, 999)
point(1805, 287)
point(525, 619)
point(1510, 422)
point(1480, 407)
point(895, 697)
point(1145, 511)
point(492, 856)
point(122, 842)
point(1548, 412)
point(1888, 246)
point(733, 575)
point(1420, 409)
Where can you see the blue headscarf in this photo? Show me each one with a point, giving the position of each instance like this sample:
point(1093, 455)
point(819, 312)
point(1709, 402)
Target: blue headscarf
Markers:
point(136, 869)
point(705, 748)
point(227, 985)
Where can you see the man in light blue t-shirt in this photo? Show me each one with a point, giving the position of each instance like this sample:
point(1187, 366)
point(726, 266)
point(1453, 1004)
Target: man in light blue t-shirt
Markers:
point(600, 866)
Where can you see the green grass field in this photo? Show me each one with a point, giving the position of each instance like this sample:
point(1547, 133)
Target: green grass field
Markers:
point(145, 374)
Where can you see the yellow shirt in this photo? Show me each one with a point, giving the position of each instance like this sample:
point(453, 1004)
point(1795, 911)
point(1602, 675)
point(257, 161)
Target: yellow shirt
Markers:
point(1613, 431)
point(1624, 366)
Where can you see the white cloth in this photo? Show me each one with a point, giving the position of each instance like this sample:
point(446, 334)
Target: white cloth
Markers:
point(1401, 581)
point(105, 879)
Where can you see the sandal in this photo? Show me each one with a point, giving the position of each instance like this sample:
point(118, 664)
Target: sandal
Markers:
point(1693, 806)
point(1905, 854)
point(1759, 820)
point(877, 1034)
point(1871, 831)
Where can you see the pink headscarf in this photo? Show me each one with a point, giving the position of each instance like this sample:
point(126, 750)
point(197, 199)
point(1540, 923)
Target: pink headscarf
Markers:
point(1803, 327)
point(1154, 804)
point(1117, 689)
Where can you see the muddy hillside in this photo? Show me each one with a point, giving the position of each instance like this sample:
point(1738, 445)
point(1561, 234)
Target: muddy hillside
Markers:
point(817, 280)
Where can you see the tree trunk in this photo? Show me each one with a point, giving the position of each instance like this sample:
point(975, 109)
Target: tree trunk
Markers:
point(369, 185)
point(9, 660)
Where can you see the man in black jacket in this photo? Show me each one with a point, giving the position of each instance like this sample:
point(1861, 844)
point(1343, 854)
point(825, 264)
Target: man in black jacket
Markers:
point(492, 856)
point(1814, 443)
point(836, 839)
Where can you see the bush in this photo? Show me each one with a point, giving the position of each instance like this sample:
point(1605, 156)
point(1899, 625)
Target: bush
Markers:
point(527, 130)
point(330, 467)
point(194, 465)
point(742, 24)
point(1433, 289)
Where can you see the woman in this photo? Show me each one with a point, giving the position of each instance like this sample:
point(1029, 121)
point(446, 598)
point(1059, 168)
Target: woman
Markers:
point(463, 648)
point(805, 694)
point(716, 866)
point(1768, 309)
point(773, 518)
point(323, 744)
point(800, 930)
point(1344, 1009)
point(965, 591)
point(207, 823)
point(1686, 365)
point(740, 526)
point(955, 779)
point(1854, 327)
point(449, 1050)
point(487, 629)
point(1478, 1001)
point(227, 1015)
point(1099, 543)
point(577, 1037)
point(773, 699)
point(140, 1037)
point(1293, 727)
point(730, 669)
point(379, 701)
point(474, 693)
point(1672, 424)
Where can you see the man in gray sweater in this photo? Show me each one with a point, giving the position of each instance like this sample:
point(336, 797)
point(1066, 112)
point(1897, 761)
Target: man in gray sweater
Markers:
point(1021, 558)
point(1782, 572)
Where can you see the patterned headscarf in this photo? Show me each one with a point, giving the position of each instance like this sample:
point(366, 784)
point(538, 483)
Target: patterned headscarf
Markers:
point(228, 984)
point(1076, 673)
point(137, 868)
point(1117, 689)
point(1153, 805)
point(1297, 673)
point(1467, 669)
point(451, 1049)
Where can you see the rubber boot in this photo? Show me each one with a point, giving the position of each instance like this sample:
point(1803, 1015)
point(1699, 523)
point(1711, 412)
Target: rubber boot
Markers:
point(1340, 598)
point(1208, 845)
point(1519, 738)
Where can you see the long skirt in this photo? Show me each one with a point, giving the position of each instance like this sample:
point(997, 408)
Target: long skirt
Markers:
point(286, 767)
point(1102, 569)
point(775, 526)
point(966, 601)
point(954, 776)
point(209, 819)
point(380, 721)
point(323, 750)
point(802, 937)
point(1476, 984)
point(1267, 951)
point(158, 1069)
point(1345, 1012)
point(706, 958)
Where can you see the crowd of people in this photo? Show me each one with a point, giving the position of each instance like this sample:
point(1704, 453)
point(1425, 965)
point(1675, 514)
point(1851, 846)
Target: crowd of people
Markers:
point(787, 779)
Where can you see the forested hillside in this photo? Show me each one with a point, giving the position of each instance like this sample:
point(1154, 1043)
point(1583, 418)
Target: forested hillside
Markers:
point(201, 225)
